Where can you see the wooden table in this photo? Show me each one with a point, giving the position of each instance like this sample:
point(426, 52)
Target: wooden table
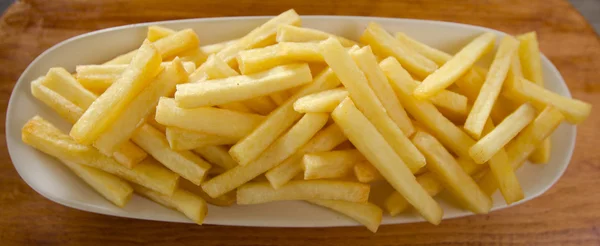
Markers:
point(569, 213)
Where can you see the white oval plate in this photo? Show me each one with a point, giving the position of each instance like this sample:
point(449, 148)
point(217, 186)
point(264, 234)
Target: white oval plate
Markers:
point(49, 178)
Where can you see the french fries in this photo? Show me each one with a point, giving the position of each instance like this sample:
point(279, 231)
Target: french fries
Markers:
point(217, 155)
point(320, 102)
point(455, 67)
point(104, 110)
point(181, 139)
point(277, 152)
point(491, 88)
point(530, 57)
point(367, 213)
point(262, 192)
point(328, 165)
point(437, 56)
point(191, 205)
point(289, 33)
point(243, 87)
point(489, 145)
point(440, 162)
point(324, 140)
point(261, 59)
point(43, 136)
point(356, 83)
point(373, 146)
point(424, 112)
point(63, 83)
point(215, 121)
point(385, 45)
point(252, 145)
point(365, 172)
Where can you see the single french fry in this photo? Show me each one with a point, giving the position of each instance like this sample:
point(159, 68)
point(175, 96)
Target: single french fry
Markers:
point(127, 154)
point(531, 58)
point(278, 121)
point(238, 88)
point(184, 163)
point(289, 33)
point(453, 102)
point(217, 155)
point(365, 172)
point(104, 111)
point(277, 152)
point(491, 87)
point(222, 201)
point(158, 32)
point(441, 162)
point(330, 165)
point(575, 111)
point(256, 193)
point(214, 121)
point(541, 155)
point(489, 145)
point(424, 112)
point(385, 45)
point(264, 34)
point(109, 186)
point(182, 139)
point(261, 59)
point(45, 137)
point(455, 67)
point(215, 48)
point(188, 203)
point(367, 213)
point(320, 102)
point(324, 140)
point(525, 143)
point(437, 56)
point(63, 83)
point(366, 100)
point(140, 107)
point(367, 62)
point(373, 146)
point(396, 203)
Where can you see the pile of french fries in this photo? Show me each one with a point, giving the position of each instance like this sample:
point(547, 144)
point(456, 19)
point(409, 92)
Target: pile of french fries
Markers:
point(292, 113)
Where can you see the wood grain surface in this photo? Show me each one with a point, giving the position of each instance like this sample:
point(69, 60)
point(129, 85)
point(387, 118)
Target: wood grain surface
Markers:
point(568, 214)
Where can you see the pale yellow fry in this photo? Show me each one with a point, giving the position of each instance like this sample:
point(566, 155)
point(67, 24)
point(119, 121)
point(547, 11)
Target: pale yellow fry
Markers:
point(188, 203)
point(183, 162)
point(366, 100)
point(324, 140)
point(214, 121)
point(367, 213)
point(367, 62)
point(385, 45)
point(396, 203)
point(491, 87)
point(239, 88)
point(122, 59)
point(541, 155)
point(158, 32)
point(373, 146)
point(289, 33)
point(451, 101)
point(260, 35)
point(140, 107)
point(441, 162)
point(222, 201)
point(104, 111)
point(262, 192)
point(214, 48)
point(437, 56)
point(63, 83)
point(45, 137)
point(217, 155)
point(127, 154)
point(531, 58)
point(182, 139)
point(277, 152)
point(109, 186)
point(252, 145)
point(320, 102)
point(424, 112)
point(260, 59)
point(491, 143)
point(330, 164)
point(525, 143)
point(455, 67)
point(365, 172)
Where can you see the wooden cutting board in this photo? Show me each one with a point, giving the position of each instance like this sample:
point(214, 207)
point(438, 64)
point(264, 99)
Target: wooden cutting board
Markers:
point(567, 214)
